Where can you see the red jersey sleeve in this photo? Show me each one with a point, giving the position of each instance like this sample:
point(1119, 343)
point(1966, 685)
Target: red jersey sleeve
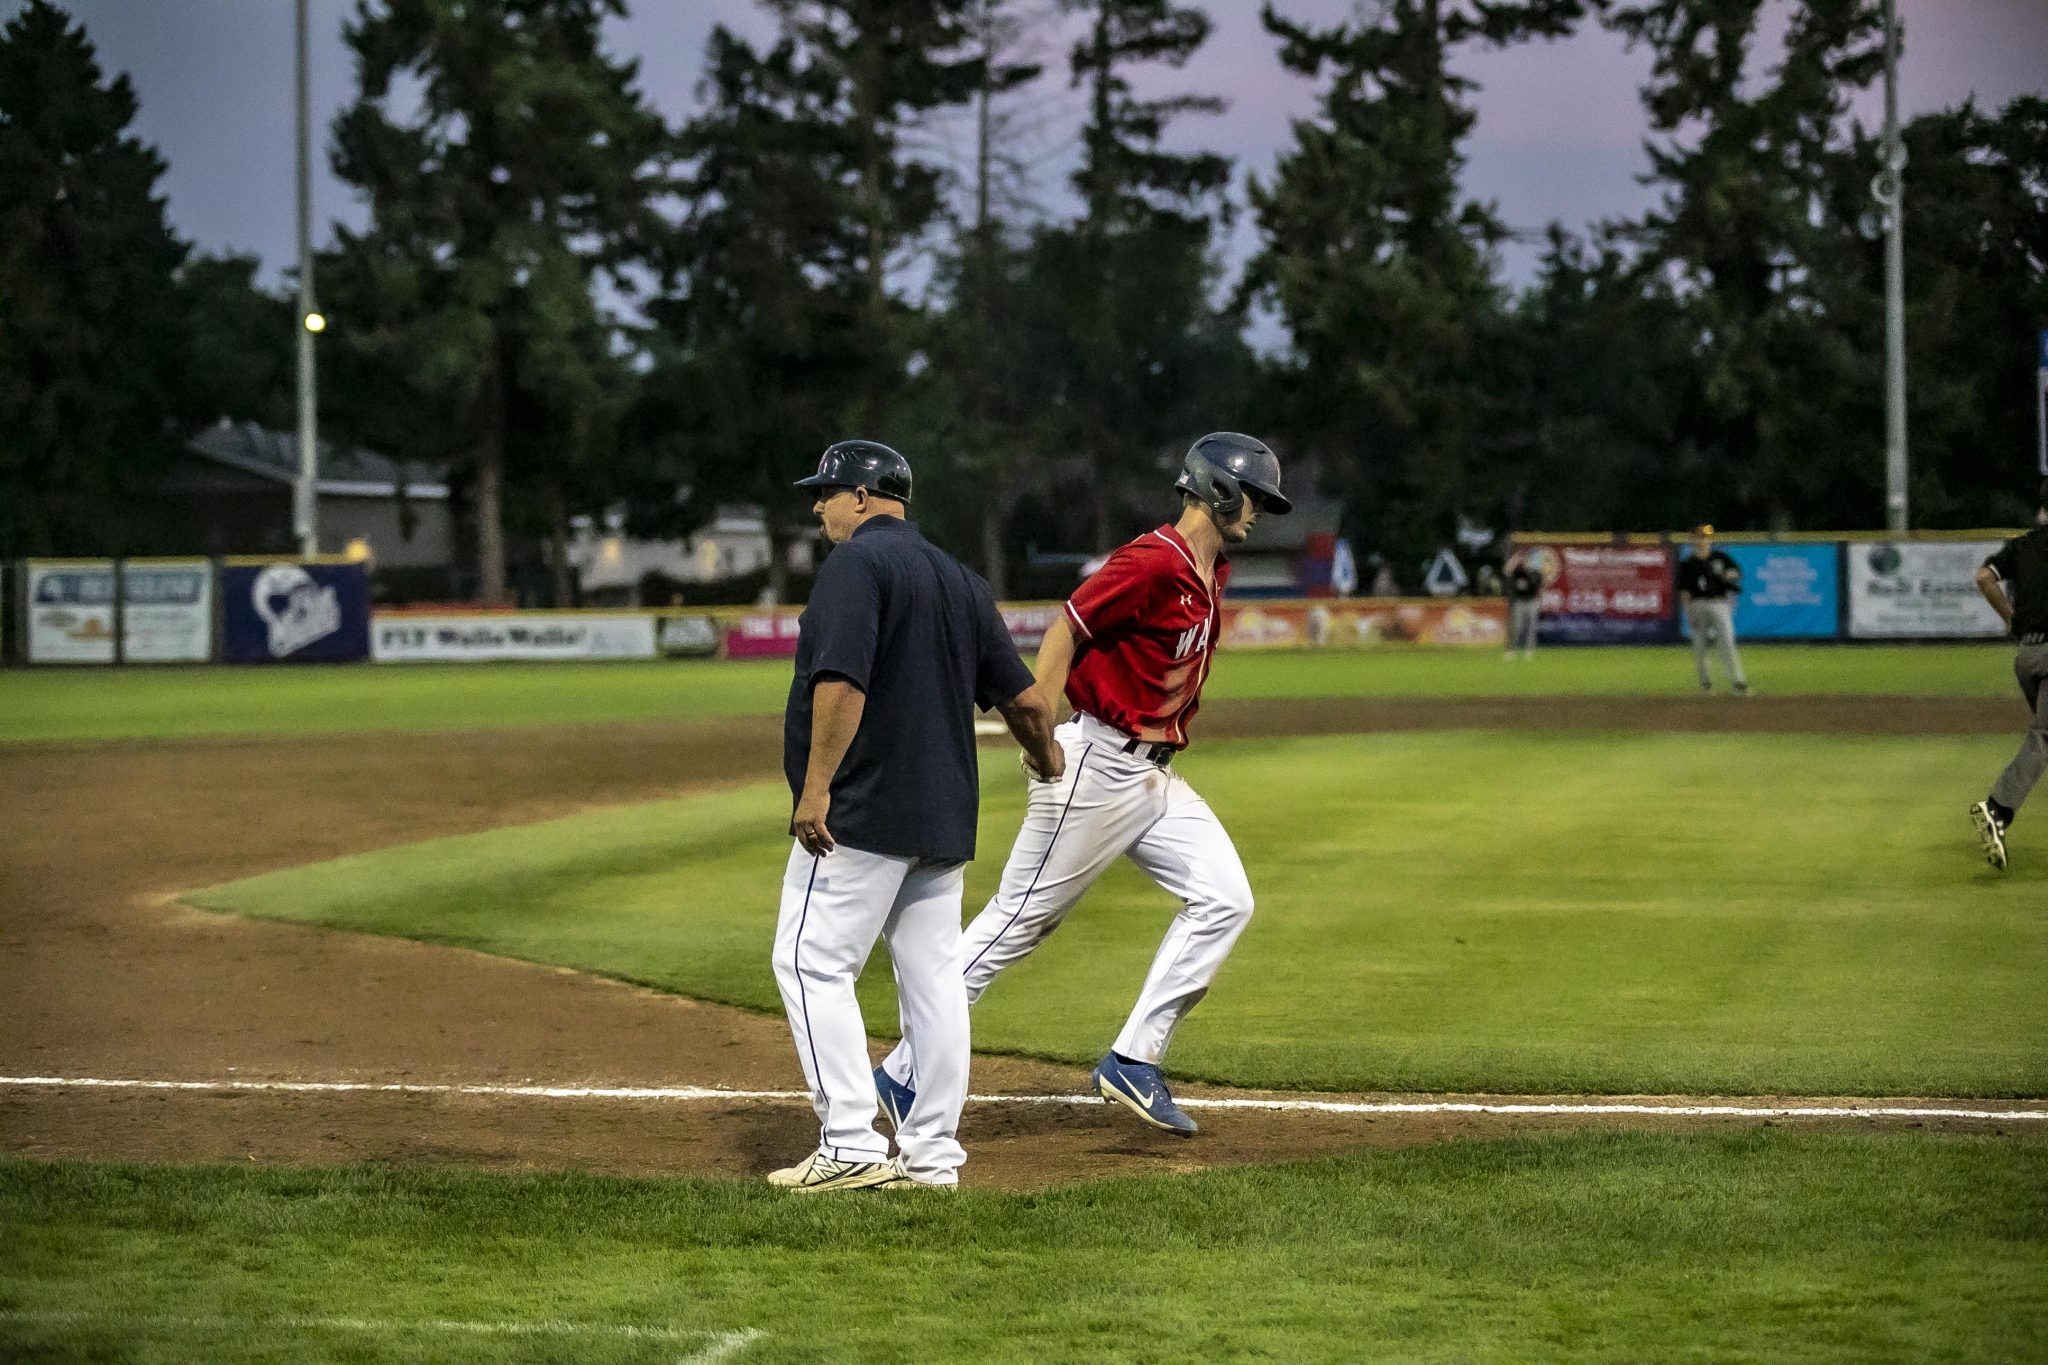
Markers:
point(1114, 597)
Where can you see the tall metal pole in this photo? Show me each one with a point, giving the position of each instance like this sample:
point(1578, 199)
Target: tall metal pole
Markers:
point(305, 507)
point(1890, 190)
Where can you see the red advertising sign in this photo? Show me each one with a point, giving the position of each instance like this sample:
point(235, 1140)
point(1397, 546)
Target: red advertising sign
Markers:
point(764, 634)
point(1604, 594)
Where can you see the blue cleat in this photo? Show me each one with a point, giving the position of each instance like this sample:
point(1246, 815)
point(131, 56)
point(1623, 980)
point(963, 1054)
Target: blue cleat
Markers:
point(1138, 1087)
point(896, 1098)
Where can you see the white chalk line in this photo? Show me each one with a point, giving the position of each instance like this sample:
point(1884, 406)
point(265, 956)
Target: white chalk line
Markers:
point(699, 1093)
point(718, 1346)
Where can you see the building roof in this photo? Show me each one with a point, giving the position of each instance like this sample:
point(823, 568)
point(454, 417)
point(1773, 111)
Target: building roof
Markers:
point(343, 472)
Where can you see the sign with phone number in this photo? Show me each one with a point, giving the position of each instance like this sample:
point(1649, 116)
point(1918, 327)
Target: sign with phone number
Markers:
point(1603, 594)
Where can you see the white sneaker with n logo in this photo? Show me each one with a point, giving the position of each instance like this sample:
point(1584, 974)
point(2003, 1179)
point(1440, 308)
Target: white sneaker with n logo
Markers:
point(818, 1174)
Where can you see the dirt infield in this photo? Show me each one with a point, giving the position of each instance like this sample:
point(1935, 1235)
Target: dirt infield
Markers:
point(103, 974)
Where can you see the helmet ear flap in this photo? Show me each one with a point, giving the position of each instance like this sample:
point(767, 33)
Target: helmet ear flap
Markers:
point(1229, 494)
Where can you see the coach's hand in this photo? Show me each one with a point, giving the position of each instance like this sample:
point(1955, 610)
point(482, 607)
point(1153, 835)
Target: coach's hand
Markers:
point(1056, 765)
point(809, 821)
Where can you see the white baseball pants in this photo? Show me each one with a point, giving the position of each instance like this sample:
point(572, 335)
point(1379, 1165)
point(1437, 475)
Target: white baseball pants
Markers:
point(1108, 805)
point(833, 909)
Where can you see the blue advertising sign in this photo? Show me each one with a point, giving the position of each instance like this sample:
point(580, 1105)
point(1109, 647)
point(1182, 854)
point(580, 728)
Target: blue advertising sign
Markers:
point(288, 612)
point(1789, 592)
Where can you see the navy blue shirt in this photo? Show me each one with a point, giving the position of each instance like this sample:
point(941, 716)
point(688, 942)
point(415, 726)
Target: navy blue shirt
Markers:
point(918, 633)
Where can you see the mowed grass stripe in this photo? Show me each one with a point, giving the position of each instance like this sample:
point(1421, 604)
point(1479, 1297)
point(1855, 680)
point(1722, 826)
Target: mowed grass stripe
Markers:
point(169, 703)
point(1457, 912)
point(1588, 1246)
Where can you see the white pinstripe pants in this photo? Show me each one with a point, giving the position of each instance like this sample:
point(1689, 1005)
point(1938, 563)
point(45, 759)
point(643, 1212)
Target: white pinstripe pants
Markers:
point(833, 910)
point(1111, 805)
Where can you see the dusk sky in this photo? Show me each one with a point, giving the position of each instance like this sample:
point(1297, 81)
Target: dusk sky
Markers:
point(1559, 136)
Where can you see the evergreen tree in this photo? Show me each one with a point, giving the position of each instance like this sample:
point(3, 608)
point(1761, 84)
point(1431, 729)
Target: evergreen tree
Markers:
point(1758, 273)
point(92, 318)
point(1149, 360)
point(1385, 274)
point(975, 401)
point(761, 339)
point(529, 164)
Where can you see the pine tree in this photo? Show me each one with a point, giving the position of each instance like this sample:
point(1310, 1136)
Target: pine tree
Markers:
point(762, 336)
point(530, 165)
point(1385, 274)
point(1746, 252)
point(1149, 361)
point(92, 318)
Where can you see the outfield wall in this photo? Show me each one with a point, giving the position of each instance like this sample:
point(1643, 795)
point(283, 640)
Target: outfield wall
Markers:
point(1598, 589)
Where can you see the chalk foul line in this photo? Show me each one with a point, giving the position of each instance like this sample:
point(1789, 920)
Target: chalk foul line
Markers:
point(716, 1346)
point(1677, 1107)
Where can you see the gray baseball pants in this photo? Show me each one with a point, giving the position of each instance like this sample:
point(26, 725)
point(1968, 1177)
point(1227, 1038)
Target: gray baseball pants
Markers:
point(1713, 623)
point(2030, 666)
point(1522, 626)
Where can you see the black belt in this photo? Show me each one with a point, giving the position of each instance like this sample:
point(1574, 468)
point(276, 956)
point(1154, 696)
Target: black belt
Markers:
point(1162, 754)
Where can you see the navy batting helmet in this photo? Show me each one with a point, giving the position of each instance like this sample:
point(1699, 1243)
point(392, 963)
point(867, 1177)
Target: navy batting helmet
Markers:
point(1219, 467)
point(862, 464)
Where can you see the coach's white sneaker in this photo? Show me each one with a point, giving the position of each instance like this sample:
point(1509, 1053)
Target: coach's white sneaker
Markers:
point(818, 1174)
point(1990, 833)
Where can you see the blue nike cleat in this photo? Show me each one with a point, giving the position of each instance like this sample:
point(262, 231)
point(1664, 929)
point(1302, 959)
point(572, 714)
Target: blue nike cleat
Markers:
point(896, 1098)
point(1138, 1087)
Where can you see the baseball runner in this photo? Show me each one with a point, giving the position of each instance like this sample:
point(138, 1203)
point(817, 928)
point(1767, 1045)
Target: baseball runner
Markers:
point(1525, 598)
point(1708, 583)
point(1131, 652)
point(2015, 582)
point(897, 643)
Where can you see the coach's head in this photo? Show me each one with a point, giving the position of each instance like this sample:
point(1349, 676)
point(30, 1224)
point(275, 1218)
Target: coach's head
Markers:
point(857, 480)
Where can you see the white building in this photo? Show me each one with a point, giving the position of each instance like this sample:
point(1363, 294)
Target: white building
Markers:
point(611, 564)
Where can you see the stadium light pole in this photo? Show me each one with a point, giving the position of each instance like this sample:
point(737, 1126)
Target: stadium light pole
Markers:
point(305, 507)
point(1890, 191)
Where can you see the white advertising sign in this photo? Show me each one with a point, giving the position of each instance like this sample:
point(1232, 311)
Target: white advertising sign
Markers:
point(71, 611)
point(167, 611)
point(1924, 590)
point(487, 636)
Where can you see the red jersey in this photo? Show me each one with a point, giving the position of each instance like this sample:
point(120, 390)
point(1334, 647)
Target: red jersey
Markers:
point(1147, 628)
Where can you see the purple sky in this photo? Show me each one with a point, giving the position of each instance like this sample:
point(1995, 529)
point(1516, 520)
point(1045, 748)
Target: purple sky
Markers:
point(1559, 133)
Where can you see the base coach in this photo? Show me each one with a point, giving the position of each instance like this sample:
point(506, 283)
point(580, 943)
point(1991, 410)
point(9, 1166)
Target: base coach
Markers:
point(897, 645)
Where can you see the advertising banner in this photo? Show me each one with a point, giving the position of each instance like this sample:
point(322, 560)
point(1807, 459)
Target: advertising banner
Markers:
point(167, 611)
point(765, 634)
point(485, 636)
point(290, 612)
point(1364, 622)
point(70, 611)
point(690, 636)
point(1919, 590)
point(1604, 594)
point(1789, 592)
point(1029, 621)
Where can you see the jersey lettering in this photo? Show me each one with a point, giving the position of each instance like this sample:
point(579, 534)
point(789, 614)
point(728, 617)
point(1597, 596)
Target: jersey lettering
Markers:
point(1192, 640)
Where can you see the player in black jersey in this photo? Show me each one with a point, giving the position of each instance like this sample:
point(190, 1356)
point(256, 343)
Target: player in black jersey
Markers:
point(2015, 582)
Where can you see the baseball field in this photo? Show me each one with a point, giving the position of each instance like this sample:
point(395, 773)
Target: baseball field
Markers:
point(425, 1013)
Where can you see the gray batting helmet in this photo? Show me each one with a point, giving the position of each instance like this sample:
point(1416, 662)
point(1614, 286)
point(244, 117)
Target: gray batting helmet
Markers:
point(862, 464)
point(1219, 467)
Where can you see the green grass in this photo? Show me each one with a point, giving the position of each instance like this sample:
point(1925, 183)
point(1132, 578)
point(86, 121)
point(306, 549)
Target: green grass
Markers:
point(1455, 911)
point(1609, 1247)
point(161, 703)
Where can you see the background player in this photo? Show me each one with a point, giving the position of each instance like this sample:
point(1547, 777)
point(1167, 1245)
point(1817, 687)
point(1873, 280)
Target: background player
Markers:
point(1708, 583)
point(2015, 582)
point(1524, 586)
point(896, 643)
point(1131, 652)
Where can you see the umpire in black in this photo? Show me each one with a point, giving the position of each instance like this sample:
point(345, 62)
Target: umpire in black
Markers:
point(896, 647)
point(2015, 582)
